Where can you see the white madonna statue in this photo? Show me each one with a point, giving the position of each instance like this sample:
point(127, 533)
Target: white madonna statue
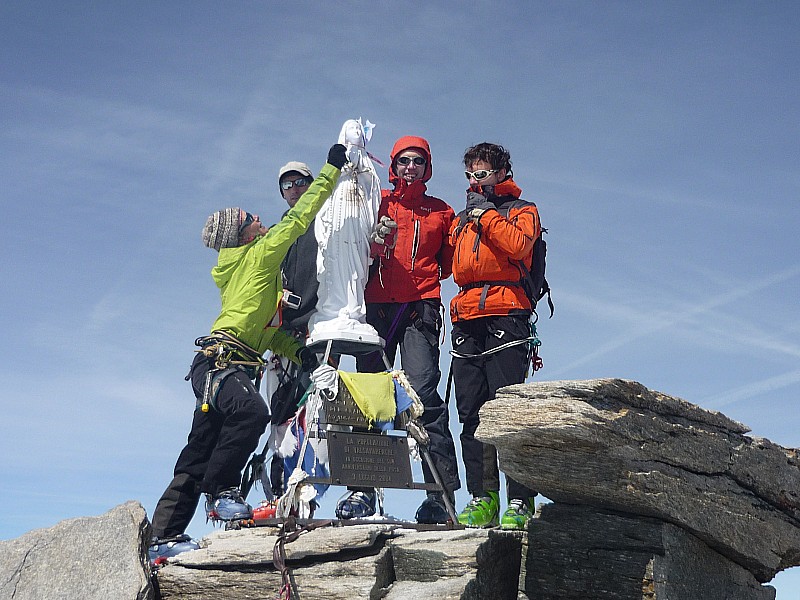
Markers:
point(342, 229)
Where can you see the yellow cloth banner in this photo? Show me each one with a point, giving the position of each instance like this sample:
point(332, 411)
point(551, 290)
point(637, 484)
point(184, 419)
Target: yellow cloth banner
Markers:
point(373, 393)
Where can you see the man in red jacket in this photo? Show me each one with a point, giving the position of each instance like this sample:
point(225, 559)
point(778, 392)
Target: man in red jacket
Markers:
point(491, 321)
point(411, 254)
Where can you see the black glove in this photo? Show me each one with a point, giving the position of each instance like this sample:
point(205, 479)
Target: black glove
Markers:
point(337, 155)
point(308, 359)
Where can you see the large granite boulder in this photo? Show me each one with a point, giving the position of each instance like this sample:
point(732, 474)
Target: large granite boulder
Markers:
point(88, 557)
point(617, 445)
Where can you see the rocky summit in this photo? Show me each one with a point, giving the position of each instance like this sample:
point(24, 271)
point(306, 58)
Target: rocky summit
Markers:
point(653, 498)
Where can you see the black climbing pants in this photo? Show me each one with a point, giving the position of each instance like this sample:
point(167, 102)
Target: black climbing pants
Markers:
point(476, 382)
point(219, 445)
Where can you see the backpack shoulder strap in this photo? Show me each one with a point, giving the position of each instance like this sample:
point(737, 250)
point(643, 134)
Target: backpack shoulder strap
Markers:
point(539, 245)
point(505, 208)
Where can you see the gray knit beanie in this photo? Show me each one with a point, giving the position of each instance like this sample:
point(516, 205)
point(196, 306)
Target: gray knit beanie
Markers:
point(222, 229)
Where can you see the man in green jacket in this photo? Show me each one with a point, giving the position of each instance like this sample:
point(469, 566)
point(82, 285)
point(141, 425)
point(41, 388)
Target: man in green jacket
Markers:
point(231, 415)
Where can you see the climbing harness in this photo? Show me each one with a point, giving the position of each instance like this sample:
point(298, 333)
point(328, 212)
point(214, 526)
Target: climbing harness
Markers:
point(534, 360)
point(230, 355)
point(494, 350)
point(227, 349)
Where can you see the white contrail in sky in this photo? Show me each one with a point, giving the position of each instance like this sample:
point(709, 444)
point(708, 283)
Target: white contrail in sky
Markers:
point(648, 325)
point(755, 388)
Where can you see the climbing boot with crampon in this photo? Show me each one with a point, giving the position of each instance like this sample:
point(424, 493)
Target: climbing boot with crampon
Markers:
point(228, 505)
point(517, 514)
point(482, 511)
point(163, 548)
point(357, 505)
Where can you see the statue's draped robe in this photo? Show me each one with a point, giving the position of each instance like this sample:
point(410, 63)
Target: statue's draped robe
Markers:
point(342, 229)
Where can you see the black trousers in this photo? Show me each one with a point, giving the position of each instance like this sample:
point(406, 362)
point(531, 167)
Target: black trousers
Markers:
point(476, 382)
point(414, 327)
point(219, 445)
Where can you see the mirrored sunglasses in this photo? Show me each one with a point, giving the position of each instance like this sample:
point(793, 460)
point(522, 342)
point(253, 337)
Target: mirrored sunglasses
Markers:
point(248, 220)
point(479, 175)
point(406, 160)
point(288, 184)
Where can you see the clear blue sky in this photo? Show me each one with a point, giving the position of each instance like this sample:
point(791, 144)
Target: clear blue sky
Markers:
point(660, 141)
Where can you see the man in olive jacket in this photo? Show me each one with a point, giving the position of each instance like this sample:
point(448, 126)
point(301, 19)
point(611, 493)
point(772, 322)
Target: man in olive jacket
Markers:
point(231, 415)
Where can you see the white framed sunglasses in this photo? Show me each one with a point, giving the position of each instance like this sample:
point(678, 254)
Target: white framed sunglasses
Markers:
point(479, 175)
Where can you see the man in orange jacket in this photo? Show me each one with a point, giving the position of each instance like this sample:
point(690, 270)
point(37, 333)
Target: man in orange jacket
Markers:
point(411, 255)
point(491, 321)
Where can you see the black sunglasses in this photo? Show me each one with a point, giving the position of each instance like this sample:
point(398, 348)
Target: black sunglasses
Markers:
point(288, 184)
point(405, 160)
point(248, 220)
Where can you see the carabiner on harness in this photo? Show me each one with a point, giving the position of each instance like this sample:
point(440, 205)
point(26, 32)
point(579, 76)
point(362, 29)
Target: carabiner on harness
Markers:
point(535, 361)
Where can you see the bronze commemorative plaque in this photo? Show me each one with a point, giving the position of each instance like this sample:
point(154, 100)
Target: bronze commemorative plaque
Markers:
point(343, 410)
point(369, 460)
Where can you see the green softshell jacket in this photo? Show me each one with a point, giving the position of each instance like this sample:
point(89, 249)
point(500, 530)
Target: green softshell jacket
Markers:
point(249, 277)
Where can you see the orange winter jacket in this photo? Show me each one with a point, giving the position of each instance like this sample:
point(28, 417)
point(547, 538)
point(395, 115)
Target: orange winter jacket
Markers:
point(485, 253)
point(421, 255)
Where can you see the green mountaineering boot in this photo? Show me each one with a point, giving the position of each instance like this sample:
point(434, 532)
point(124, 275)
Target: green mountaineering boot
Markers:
point(517, 513)
point(481, 511)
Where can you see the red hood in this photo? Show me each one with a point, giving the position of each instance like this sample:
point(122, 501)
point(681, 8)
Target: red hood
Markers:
point(405, 143)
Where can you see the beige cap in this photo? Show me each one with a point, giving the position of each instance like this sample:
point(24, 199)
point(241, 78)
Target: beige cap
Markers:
point(293, 165)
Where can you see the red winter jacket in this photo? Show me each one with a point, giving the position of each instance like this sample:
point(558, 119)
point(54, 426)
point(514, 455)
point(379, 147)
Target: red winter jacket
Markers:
point(422, 255)
point(483, 265)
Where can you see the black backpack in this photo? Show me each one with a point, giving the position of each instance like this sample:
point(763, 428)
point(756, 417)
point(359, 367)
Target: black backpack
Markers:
point(533, 280)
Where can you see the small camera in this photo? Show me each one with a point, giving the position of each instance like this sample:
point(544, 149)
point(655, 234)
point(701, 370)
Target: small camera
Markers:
point(291, 300)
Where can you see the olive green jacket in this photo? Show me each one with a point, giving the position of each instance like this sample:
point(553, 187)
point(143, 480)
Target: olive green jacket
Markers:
point(249, 277)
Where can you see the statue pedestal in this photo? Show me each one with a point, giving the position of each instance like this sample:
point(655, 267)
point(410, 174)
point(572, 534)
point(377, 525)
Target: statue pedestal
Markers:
point(352, 343)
